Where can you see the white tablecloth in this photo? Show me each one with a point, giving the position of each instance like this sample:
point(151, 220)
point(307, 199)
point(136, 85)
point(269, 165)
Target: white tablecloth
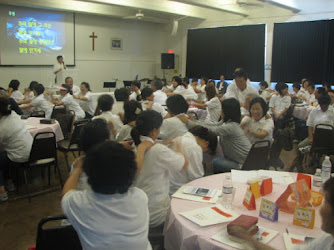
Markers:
point(35, 127)
point(302, 112)
point(181, 233)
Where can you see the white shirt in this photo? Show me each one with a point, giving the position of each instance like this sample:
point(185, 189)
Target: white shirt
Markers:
point(156, 106)
point(71, 104)
point(258, 126)
point(134, 95)
point(60, 76)
point(160, 97)
point(234, 92)
point(154, 179)
point(29, 96)
point(202, 95)
point(214, 109)
point(108, 116)
point(41, 104)
point(180, 90)
point(75, 89)
point(17, 95)
point(118, 107)
point(90, 105)
point(124, 133)
point(324, 242)
point(317, 116)
point(172, 128)
point(118, 221)
point(265, 93)
point(194, 154)
point(279, 103)
point(15, 139)
point(190, 93)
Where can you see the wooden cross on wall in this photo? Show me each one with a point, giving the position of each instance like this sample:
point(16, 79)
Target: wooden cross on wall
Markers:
point(93, 37)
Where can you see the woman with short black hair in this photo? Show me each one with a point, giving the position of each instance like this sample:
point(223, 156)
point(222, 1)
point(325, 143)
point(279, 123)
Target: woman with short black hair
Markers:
point(13, 90)
point(86, 100)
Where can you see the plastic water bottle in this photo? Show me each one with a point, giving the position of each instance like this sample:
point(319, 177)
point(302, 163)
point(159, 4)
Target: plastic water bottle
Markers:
point(326, 169)
point(317, 179)
point(227, 192)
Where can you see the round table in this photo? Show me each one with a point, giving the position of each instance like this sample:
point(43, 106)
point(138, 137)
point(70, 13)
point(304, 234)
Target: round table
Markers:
point(181, 233)
point(34, 126)
point(302, 112)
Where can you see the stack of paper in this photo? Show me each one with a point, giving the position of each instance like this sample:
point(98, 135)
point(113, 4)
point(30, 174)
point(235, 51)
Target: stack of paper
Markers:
point(207, 216)
point(264, 235)
point(179, 194)
point(277, 176)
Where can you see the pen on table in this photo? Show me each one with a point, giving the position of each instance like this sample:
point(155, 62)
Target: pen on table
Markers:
point(287, 231)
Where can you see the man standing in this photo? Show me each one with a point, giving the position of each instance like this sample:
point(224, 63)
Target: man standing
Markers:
point(58, 70)
point(222, 85)
point(69, 81)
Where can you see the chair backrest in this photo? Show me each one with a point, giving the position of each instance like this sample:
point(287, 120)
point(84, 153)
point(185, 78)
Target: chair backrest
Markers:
point(56, 237)
point(257, 156)
point(44, 146)
point(58, 110)
point(66, 122)
point(75, 136)
point(38, 113)
point(323, 138)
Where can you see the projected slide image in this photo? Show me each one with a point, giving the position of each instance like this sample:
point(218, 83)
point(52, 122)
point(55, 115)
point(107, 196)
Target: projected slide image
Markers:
point(35, 33)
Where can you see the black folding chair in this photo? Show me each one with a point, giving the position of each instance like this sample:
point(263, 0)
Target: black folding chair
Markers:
point(56, 237)
point(72, 145)
point(58, 110)
point(66, 122)
point(43, 154)
point(38, 113)
point(257, 156)
point(323, 139)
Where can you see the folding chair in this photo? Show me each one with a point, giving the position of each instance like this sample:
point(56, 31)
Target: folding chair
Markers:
point(56, 237)
point(257, 156)
point(38, 113)
point(58, 110)
point(43, 154)
point(72, 145)
point(66, 122)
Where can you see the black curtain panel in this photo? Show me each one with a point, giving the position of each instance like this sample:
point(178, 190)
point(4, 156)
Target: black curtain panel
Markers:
point(220, 50)
point(303, 50)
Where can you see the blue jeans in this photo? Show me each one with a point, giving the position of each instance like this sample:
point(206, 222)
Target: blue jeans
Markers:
point(222, 165)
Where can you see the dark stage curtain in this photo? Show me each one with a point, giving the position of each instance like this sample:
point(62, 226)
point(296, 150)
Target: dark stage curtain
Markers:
point(215, 51)
point(303, 50)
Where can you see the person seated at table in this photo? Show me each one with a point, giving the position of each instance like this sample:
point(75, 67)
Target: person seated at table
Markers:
point(114, 215)
point(135, 88)
point(15, 144)
point(295, 95)
point(122, 96)
point(149, 104)
point(131, 111)
point(323, 114)
point(12, 102)
point(324, 241)
point(158, 162)
point(241, 90)
point(159, 96)
point(28, 93)
point(279, 105)
point(177, 87)
point(233, 141)
point(266, 92)
point(190, 92)
point(39, 102)
point(173, 127)
point(200, 90)
point(104, 111)
point(222, 86)
point(69, 102)
point(69, 81)
point(213, 104)
point(197, 141)
point(13, 91)
point(303, 93)
point(310, 90)
point(258, 125)
point(86, 100)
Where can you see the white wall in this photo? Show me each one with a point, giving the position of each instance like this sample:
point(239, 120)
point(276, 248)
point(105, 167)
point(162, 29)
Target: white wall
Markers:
point(266, 14)
point(142, 45)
